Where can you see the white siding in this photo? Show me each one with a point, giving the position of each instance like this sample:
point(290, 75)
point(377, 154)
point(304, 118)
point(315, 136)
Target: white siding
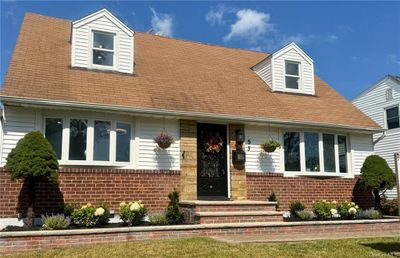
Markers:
point(373, 103)
point(19, 121)
point(361, 148)
point(256, 159)
point(306, 71)
point(149, 156)
point(264, 71)
point(82, 43)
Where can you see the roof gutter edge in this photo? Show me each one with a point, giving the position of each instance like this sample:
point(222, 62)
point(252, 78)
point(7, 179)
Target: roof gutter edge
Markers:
point(178, 114)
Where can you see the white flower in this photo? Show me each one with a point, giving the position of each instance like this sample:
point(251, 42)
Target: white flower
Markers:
point(122, 204)
point(84, 207)
point(357, 207)
point(89, 204)
point(99, 211)
point(333, 211)
point(334, 202)
point(352, 203)
point(352, 210)
point(135, 206)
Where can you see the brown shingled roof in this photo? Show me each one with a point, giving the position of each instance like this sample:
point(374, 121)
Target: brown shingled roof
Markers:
point(170, 74)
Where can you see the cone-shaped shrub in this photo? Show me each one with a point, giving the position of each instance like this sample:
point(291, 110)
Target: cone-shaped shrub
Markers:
point(174, 215)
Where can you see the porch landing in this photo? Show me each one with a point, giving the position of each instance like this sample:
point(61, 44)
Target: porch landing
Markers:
point(243, 211)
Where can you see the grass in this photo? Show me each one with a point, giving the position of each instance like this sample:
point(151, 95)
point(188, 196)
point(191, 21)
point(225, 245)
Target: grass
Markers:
point(207, 247)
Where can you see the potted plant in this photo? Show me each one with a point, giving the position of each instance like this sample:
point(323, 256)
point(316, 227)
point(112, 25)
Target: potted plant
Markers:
point(270, 145)
point(164, 140)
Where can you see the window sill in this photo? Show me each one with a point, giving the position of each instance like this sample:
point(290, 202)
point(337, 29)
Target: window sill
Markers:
point(94, 163)
point(316, 174)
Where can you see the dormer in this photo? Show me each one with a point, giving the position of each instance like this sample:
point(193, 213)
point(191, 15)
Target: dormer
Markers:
point(102, 42)
point(289, 69)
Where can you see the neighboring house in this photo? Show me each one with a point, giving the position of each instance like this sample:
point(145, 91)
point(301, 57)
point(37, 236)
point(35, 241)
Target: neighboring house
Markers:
point(381, 102)
point(101, 92)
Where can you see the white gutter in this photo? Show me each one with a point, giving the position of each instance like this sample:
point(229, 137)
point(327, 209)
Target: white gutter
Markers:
point(380, 137)
point(179, 114)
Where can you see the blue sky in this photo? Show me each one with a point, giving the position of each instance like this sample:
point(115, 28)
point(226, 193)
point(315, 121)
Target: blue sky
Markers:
point(353, 44)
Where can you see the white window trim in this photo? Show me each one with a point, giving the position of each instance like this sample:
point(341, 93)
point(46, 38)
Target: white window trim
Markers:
point(322, 172)
point(90, 141)
point(114, 67)
point(385, 117)
point(300, 81)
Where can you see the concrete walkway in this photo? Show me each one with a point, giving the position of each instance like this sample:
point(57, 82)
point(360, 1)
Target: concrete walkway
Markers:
point(305, 237)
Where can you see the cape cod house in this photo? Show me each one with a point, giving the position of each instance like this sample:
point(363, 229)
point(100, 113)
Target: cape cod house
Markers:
point(381, 102)
point(100, 92)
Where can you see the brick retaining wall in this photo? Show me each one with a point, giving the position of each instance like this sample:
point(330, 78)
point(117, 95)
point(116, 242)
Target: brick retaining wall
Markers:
point(306, 189)
point(28, 241)
point(80, 186)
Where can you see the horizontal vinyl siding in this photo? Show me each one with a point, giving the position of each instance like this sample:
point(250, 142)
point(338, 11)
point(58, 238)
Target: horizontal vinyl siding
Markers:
point(256, 159)
point(361, 147)
point(123, 45)
point(264, 71)
point(149, 156)
point(19, 121)
point(306, 72)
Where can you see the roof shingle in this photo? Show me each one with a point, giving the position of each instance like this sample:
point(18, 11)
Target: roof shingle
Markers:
point(170, 74)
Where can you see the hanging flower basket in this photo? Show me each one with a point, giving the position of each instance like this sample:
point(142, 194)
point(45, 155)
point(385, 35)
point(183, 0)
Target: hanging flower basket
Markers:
point(164, 140)
point(270, 145)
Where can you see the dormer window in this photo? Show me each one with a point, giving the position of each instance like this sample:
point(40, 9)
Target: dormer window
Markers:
point(292, 75)
point(103, 49)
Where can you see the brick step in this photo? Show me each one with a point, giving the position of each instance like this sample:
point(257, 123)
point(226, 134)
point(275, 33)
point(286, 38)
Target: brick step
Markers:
point(224, 206)
point(237, 217)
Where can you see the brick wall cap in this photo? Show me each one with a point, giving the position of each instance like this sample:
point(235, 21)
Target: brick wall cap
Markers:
point(188, 227)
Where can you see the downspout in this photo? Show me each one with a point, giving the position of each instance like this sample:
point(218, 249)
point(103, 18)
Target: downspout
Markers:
point(380, 138)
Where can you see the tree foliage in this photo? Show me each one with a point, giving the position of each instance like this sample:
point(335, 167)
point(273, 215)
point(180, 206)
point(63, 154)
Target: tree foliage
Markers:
point(376, 174)
point(33, 157)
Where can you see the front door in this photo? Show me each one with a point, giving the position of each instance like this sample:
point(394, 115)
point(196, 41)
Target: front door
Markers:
point(212, 178)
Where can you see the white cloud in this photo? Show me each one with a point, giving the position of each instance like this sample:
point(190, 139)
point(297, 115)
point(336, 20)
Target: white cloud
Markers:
point(216, 14)
point(162, 24)
point(250, 25)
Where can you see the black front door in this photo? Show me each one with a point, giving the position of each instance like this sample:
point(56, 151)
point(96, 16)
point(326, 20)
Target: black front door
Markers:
point(212, 162)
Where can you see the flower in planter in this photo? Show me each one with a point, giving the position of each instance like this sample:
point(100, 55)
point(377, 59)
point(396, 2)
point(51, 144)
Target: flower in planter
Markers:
point(270, 145)
point(164, 140)
point(99, 211)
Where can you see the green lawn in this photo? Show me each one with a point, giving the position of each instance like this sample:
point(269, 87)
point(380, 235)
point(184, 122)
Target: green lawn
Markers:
point(206, 247)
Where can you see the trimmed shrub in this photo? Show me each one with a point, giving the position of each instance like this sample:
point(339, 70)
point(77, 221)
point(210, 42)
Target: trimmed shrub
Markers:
point(324, 210)
point(32, 159)
point(132, 213)
point(91, 216)
point(54, 222)
point(377, 176)
point(272, 197)
point(158, 219)
point(173, 214)
point(390, 207)
point(348, 210)
point(305, 215)
point(295, 207)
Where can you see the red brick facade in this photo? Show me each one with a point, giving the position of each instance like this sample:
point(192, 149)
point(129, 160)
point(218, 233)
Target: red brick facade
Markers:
point(306, 189)
point(80, 186)
point(112, 186)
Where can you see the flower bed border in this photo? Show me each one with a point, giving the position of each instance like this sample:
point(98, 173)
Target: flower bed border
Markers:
point(18, 241)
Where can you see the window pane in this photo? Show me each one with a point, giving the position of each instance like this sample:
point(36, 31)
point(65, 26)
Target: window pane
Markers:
point(292, 82)
point(103, 58)
point(77, 139)
point(312, 151)
point(101, 140)
point(53, 132)
point(329, 152)
point(392, 116)
point(292, 151)
point(342, 145)
point(292, 68)
point(103, 40)
point(123, 142)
